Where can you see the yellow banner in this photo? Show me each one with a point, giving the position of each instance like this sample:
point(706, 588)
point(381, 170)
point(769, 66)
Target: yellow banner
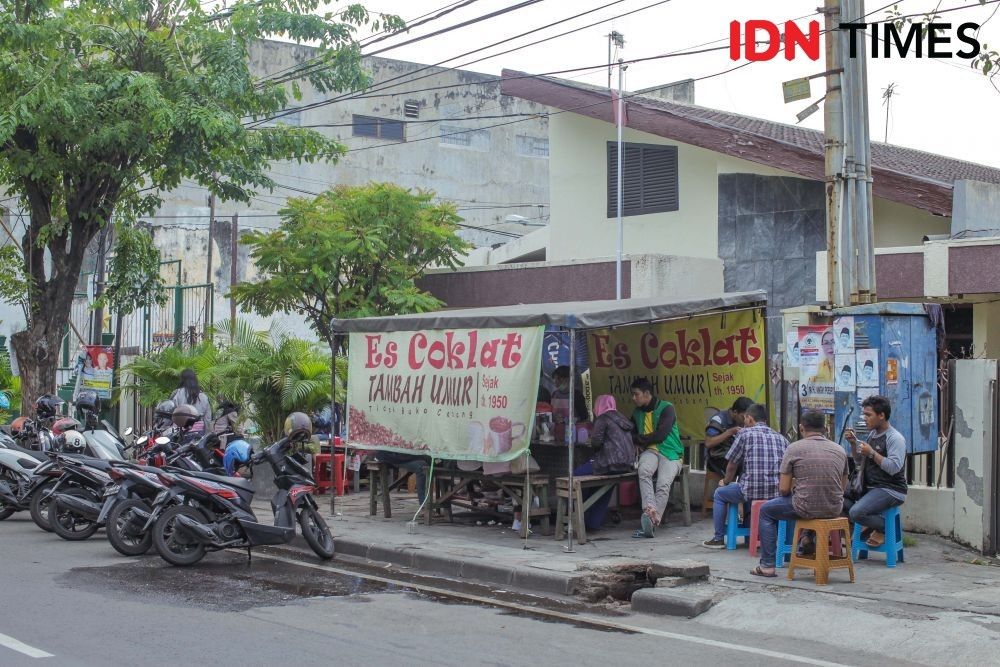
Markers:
point(701, 365)
point(465, 394)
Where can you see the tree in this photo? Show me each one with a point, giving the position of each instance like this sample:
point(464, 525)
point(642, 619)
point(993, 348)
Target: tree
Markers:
point(104, 104)
point(351, 252)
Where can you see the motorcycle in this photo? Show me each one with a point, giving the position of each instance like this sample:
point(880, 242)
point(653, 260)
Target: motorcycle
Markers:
point(216, 512)
point(24, 473)
point(77, 499)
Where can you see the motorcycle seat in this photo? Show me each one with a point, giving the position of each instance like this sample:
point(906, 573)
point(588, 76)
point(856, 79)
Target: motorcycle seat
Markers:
point(41, 457)
point(239, 482)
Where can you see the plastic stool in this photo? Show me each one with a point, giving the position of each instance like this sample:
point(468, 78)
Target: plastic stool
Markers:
point(755, 526)
point(821, 562)
point(893, 546)
point(786, 528)
point(321, 467)
point(339, 479)
point(733, 528)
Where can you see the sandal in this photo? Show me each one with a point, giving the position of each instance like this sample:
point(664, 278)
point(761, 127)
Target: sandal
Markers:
point(758, 572)
point(876, 540)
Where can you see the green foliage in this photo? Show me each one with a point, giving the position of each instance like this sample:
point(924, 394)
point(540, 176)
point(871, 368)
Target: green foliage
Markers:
point(105, 104)
point(351, 252)
point(988, 60)
point(134, 280)
point(15, 284)
point(10, 385)
point(155, 377)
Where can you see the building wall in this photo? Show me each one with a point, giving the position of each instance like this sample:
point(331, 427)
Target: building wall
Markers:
point(900, 225)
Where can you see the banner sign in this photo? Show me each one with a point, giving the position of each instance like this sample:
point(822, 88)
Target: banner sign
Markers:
point(463, 394)
point(96, 367)
point(701, 364)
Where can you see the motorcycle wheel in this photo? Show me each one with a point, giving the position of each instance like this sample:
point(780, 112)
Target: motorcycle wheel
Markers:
point(66, 523)
point(123, 533)
point(171, 546)
point(39, 506)
point(316, 532)
point(7, 476)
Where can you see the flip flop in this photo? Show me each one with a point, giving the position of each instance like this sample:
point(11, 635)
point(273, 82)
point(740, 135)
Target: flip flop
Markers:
point(648, 530)
point(757, 572)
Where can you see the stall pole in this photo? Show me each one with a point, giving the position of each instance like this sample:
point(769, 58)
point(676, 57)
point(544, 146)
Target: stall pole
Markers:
point(338, 340)
point(570, 437)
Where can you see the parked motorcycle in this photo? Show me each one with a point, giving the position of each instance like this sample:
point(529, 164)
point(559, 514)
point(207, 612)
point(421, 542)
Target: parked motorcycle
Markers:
point(24, 473)
point(217, 514)
point(75, 508)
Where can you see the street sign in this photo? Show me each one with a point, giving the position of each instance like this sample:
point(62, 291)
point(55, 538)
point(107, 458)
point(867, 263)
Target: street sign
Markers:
point(795, 90)
point(808, 111)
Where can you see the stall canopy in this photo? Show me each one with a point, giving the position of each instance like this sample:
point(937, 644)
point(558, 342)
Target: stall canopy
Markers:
point(571, 315)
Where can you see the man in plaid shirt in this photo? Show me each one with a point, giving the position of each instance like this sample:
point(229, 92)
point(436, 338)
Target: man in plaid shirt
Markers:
point(759, 449)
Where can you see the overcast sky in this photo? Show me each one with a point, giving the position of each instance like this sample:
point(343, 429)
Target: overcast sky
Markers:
point(941, 106)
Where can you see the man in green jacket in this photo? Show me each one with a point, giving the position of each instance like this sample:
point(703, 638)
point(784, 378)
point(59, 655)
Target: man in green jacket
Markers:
point(659, 437)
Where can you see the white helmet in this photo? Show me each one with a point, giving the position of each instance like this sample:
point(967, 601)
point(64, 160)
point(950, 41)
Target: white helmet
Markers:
point(73, 441)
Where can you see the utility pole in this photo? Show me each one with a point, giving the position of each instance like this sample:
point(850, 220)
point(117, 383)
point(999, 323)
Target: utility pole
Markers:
point(209, 281)
point(619, 42)
point(233, 272)
point(99, 280)
point(833, 123)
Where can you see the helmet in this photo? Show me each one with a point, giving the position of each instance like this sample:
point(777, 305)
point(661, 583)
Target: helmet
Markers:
point(88, 400)
point(73, 441)
point(298, 425)
point(65, 424)
point(184, 416)
point(47, 406)
point(237, 453)
point(164, 409)
point(18, 425)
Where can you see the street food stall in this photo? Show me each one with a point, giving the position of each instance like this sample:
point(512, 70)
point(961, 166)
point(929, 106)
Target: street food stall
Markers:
point(461, 385)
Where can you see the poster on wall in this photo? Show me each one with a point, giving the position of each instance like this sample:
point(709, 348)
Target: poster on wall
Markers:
point(461, 394)
point(843, 332)
point(701, 364)
point(96, 366)
point(817, 359)
point(868, 368)
point(792, 349)
point(845, 373)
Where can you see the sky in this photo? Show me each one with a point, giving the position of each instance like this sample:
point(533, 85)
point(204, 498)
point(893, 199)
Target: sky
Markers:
point(939, 106)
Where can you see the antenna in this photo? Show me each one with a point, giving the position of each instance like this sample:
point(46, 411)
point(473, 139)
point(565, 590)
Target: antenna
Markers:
point(887, 94)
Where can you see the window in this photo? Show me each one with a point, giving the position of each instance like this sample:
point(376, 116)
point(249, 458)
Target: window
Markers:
point(455, 135)
point(411, 109)
point(650, 181)
point(378, 128)
point(532, 146)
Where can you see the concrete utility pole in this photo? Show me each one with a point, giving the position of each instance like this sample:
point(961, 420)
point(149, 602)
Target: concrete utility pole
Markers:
point(619, 41)
point(850, 232)
point(233, 272)
point(99, 280)
point(208, 277)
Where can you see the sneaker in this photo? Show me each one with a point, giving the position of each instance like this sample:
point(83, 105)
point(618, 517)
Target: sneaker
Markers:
point(714, 544)
point(648, 530)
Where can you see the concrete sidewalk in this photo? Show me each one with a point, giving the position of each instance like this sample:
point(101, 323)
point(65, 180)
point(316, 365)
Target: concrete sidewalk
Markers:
point(937, 574)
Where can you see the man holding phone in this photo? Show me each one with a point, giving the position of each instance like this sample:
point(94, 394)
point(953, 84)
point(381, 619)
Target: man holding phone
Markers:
point(883, 478)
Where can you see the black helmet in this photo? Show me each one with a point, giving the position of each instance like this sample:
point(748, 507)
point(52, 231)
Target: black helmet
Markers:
point(184, 416)
point(88, 400)
point(47, 406)
point(164, 409)
point(298, 426)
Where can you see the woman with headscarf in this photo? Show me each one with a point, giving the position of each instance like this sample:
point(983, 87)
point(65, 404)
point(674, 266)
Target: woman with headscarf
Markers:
point(189, 393)
point(612, 436)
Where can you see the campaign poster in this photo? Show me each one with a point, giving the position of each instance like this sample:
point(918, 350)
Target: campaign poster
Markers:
point(792, 349)
point(868, 368)
point(701, 365)
point(461, 394)
point(846, 379)
point(817, 358)
point(843, 334)
point(98, 367)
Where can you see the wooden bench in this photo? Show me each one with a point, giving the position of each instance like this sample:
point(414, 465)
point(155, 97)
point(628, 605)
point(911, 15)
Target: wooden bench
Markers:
point(379, 485)
point(450, 481)
point(604, 484)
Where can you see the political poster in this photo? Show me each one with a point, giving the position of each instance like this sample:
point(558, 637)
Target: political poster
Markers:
point(845, 374)
point(868, 368)
point(817, 358)
point(843, 334)
point(462, 394)
point(96, 366)
point(701, 364)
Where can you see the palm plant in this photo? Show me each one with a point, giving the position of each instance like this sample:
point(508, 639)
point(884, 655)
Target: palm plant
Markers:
point(155, 377)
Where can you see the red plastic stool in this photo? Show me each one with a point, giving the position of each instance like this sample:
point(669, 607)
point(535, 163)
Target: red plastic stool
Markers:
point(755, 526)
point(339, 478)
point(321, 473)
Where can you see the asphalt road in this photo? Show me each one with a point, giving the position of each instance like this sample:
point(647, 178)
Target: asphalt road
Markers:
point(83, 604)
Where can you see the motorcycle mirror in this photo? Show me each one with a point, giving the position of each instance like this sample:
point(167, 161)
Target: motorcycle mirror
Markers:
point(128, 431)
point(142, 440)
point(162, 440)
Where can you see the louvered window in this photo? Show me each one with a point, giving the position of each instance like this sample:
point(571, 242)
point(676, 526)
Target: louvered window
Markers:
point(378, 128)
point(650, 181)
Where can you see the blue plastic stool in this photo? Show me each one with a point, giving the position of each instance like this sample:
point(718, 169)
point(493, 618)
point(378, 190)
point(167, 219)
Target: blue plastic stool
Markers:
point(786, 532)
point(733, 528)
point(893, 546)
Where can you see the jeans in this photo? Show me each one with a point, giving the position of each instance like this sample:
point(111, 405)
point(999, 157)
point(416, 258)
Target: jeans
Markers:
point(868, 510)
point(724, 497)
point(594, 517)
point(416, 464)
point(653, 463)
point(771, 512)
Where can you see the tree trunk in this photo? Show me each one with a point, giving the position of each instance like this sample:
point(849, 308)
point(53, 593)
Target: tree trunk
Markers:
point(37, 350)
